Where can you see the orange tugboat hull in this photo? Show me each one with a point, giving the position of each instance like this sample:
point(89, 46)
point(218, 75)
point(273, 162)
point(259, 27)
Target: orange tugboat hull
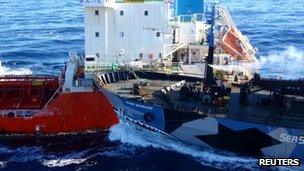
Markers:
point(69, 112)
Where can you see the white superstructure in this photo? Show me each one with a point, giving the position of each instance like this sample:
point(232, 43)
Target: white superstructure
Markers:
point(122, 31)
point(143, 34)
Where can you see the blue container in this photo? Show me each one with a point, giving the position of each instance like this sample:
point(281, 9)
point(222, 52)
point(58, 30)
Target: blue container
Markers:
point(188, 7)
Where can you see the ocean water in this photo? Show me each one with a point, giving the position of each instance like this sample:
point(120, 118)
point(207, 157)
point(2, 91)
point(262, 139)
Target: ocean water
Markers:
point(36, 37)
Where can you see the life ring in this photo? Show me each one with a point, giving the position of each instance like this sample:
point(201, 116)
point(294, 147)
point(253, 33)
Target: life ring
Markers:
point(151, 56)
point(148, 117)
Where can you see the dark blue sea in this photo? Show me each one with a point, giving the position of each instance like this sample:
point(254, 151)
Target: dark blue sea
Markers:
point(36, 37)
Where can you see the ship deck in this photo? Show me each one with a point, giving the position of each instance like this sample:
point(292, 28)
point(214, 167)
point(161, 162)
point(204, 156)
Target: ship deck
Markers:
point(26, 92)
point(150, 93)
point(260, 108)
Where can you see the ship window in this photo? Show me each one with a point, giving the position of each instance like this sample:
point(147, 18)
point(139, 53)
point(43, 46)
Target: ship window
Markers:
point(146, 13)
point(122, 34)
point(96, 34)
point(97, 55)
point(157, 34)
point(90, 59)
point(96, 12)
point(121, 13)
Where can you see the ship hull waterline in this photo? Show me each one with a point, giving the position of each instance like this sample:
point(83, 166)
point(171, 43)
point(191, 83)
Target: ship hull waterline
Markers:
point(232, 135)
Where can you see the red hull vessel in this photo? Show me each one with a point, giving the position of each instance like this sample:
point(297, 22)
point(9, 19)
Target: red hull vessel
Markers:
point(31, 105)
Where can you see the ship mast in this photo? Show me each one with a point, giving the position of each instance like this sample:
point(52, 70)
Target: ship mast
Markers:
point(211, 19)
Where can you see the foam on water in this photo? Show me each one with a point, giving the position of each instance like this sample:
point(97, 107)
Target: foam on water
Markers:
point(291, 54)
point(9, 71)
point(65, 160)
point(2, 164)
point(62, 162)
point(36, 154)
point(284, 64)
point(130, 134)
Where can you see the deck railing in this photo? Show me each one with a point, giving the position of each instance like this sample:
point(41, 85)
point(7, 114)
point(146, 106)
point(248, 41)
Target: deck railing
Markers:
point(15, 78)
point(189, 18)
point(17, 113)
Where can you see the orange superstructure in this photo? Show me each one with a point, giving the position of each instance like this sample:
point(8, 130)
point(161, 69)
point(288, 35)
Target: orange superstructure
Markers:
point(31, 105)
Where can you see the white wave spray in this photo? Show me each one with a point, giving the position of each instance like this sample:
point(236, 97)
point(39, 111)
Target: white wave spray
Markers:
point(9, 71)
point(283, 64)
point(132, 135)
point(30, 154)
point(62, 162)
point(287, 64)
point(291, 54)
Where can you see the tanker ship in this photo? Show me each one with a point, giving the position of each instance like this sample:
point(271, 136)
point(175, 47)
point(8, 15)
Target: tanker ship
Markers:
point(191, 76)
point(43, 104)
point(32, 104)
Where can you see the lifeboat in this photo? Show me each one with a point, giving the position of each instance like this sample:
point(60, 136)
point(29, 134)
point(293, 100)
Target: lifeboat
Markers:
point(37, 104)
point(238, 46)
